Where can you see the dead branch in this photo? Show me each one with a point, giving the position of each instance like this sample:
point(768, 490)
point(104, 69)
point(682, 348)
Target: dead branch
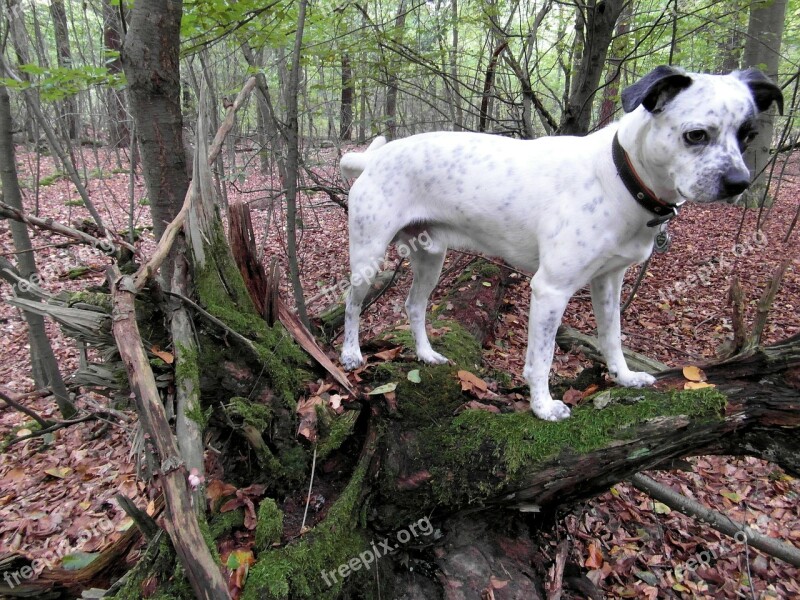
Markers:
point(202, 571)
point(13, 401)
point(105, 245)
point(717, 520)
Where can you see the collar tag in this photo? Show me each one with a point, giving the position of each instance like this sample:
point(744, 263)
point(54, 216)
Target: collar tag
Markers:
point(663, 240)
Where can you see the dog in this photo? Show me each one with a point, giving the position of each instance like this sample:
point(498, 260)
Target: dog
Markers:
point(571, 210)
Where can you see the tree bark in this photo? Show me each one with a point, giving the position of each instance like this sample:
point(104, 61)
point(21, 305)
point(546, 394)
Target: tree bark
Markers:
point(762, 50)
point(69, 107)
point(597, 24)
point(391, 75)
point(614, 72)
point(293, 168)
point(118, 130)
point(151, 60)
point(348, 93)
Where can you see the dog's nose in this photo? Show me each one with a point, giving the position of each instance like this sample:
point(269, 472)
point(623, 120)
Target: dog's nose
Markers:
point(735, 181)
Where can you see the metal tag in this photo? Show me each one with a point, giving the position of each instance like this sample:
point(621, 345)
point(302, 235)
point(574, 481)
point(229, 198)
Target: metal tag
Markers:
point(662, 242)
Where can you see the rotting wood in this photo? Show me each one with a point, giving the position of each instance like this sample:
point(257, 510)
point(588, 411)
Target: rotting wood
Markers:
point(202, 571)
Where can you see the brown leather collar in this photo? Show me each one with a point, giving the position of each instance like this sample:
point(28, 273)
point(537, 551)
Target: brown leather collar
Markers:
point(640, 192)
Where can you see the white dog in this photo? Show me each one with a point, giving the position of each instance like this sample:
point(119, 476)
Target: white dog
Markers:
point(574, 210)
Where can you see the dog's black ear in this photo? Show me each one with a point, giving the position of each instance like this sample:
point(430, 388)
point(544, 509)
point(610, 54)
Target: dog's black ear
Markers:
point(764, 90)
point(655, 89)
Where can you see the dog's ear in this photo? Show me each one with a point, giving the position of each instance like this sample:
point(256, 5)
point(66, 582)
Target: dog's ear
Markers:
point(764, 90)
point(655, 89)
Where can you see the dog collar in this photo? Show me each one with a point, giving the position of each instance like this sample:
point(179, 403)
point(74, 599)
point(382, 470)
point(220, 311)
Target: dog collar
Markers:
point(640, 192)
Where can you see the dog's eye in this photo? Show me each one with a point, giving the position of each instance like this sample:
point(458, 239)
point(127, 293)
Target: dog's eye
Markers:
point(745, 137)
point(696, 137)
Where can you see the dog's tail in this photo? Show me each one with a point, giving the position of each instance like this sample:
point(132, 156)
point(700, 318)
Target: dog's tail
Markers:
point(353, 163)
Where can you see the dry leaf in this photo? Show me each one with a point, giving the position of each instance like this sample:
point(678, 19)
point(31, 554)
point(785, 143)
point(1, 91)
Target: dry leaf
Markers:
point(59, 472)
point(390, 354)
point(470, 381)
point(595, 558)
point(167, 357)
point(475, 405)
point(572, 397)
point(307, 411)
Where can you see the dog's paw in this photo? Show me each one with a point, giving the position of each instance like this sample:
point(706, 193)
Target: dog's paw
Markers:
point(553, 410)
point(351, 360)
point(635, 379)
point(431, 357)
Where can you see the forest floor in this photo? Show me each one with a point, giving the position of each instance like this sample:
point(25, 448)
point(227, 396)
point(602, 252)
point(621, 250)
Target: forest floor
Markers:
point(630, 545)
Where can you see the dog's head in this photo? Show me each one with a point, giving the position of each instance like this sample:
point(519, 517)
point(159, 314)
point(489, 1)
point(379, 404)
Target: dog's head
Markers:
point(694, 128)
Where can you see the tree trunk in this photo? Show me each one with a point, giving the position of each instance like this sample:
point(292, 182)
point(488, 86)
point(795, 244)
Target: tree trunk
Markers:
point(348, 93)
point(618, 50)
point(46, 373)
point(597, 24)
point(118, 130)
point(763, 50)
point(391, 75)
point(151, 62)
point(68, 106)
point(293, 167)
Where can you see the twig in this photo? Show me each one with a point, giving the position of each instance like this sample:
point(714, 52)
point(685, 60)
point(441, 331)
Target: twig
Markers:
point(310, 487)
point(9, 399)
point(556, 582)
point(214, 320)
point(105, 245)
point(53, 427)
point(717, 520)
point(636, 285)
point(765, 303)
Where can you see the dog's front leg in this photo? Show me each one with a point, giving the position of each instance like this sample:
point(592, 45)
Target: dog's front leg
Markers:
point(606, 291)
point(547, 308)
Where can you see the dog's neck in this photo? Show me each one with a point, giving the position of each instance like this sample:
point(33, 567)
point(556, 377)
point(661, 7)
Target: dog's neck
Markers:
point(644, 196)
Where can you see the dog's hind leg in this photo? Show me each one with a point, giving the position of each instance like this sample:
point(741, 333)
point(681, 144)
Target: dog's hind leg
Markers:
point(365, 260)
point(426, 263)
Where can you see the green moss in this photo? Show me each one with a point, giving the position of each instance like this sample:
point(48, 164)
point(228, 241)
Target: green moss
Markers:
point(222, 292)
point(270, 524)
point(221, 524)
point(98, 299)
point(480, 269)
point(456, 343)
point(504, 444)
point(252, 413)
point(74, 203)
point(159, 561)
point(335, 433)
point(187, 373)
point(295, 571)
point(51, 179)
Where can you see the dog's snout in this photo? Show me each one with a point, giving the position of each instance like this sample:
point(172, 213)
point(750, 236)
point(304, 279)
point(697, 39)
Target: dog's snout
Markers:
point(735, 181)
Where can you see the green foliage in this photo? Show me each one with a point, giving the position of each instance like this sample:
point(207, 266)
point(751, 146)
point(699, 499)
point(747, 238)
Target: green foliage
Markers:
point(56, 83)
